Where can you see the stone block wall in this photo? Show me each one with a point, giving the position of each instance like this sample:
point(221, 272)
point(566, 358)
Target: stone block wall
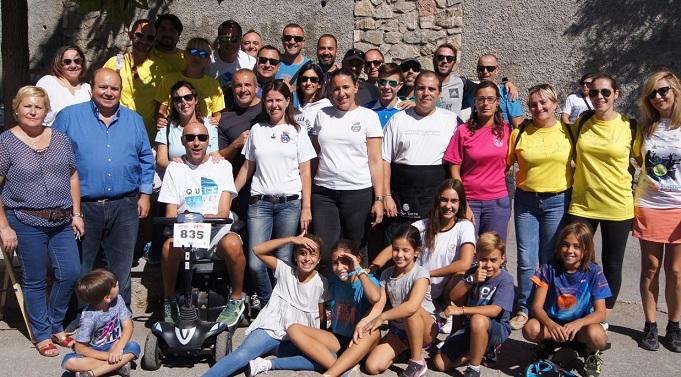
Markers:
point(404, 29)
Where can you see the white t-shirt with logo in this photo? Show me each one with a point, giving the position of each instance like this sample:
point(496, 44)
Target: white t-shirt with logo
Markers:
point(412, 139)
point(307, 113)
point(575, 105)
point(659, 183)
point(447, 246)
point(343, 155)
point(223, 71)
point(197, 188)
point(277, 152)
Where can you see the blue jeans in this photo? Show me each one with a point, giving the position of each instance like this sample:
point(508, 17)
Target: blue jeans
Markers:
point(111, 227)
point(491, 215)
point(268, 221)
point(130, 347)
point(538, 220)
point(38, 248)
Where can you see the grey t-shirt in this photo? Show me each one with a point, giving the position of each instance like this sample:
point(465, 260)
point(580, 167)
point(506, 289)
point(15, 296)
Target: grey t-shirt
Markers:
point(398, 288)
point(451, 96)
point(99, 328)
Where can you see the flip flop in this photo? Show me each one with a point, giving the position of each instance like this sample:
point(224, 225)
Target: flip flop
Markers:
point(48, 350)
point(65, 341)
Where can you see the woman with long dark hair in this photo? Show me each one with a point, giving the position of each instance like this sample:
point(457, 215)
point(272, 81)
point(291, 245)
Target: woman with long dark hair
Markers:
point(311, 93)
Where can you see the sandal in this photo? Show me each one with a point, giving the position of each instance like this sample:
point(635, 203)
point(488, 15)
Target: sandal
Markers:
point(65, 341)
point(48, 350)
point(88, 373)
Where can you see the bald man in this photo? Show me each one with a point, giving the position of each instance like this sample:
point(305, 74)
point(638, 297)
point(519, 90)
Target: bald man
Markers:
point(116, 166)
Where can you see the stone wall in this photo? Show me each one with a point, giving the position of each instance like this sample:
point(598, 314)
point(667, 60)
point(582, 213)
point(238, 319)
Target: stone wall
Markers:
point(404, 29)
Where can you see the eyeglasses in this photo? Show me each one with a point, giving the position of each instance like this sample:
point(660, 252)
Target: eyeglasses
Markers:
point(488, 68)
point(297, 38)
point(76, 61)
point(372, 63)
point(483, 99)
point(312, 79)
point(186, 97)
point(264, 60)
point(661, 91)
point(587, 83)
point(196, 52)
point(391, 83)
point(605, 92)
point(148, 37)
point(448, 58)
point(229, 38)
point(191, 137)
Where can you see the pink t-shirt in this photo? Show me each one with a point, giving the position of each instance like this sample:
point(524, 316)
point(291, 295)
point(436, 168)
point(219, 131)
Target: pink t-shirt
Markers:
point(482, 157)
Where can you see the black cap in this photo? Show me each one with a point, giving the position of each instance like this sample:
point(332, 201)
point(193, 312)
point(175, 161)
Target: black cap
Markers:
point(354, 54)
point(411, 62)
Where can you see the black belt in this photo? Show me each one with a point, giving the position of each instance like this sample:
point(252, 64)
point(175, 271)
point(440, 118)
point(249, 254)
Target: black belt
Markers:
point(111, 199)
point(544, 194)
point(274, 199)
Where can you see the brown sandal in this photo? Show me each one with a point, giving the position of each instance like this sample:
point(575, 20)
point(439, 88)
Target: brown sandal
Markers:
point(65, 341)
point(48, 350)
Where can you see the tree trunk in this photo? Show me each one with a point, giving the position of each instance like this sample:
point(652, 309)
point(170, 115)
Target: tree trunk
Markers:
point(15, 63)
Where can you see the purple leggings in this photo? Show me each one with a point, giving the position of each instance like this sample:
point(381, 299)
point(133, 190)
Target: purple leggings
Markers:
point(491, 215)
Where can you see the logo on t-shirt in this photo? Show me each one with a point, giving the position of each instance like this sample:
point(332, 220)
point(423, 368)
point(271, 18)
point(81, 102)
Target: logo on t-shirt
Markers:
point(498, 142)
point(109, 333)
point(204, 199)
point(285, 138)
point(356, 127)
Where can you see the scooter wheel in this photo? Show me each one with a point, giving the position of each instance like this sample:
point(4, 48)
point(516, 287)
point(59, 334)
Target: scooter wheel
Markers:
point(223, 345)
point(152, 353)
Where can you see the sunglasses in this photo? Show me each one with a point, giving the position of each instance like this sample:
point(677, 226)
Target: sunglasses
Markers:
point(271, 61)
point(76, 61)
point(229, 38)
point(448, 58)
point(148, 37)
point(605, 92)
point(372, 63)
point(186, 97)
point(312, 79)
point(196, 52)
point(483, 99)
point(412, 68)
point(661, 91)
point(488, 68)
point(391, 83)
point(191, 137)
point(296, 38)
point(587, 83)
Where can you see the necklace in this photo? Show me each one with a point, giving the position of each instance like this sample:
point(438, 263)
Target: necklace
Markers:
point(33, 142)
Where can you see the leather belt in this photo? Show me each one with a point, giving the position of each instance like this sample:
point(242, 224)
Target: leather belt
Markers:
point(53, 214)
point(274, 199)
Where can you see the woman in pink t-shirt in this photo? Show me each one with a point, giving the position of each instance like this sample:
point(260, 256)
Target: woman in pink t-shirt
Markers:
point(477, 152)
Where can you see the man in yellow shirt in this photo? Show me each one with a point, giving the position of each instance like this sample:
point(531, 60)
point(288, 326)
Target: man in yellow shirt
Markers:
point(168, 31)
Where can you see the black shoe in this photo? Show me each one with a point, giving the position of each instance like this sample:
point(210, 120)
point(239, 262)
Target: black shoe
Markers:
point(673, 339)
point(649, 340)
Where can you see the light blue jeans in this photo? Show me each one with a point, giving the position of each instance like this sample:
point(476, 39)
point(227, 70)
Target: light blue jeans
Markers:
point(538, 220)
point(268, 221)
point(491, 215)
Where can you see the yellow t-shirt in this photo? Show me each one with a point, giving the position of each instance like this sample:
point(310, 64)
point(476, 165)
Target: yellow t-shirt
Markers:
point(211, 99)
point(602, 183)
point(175, 60)
point(139, 86)
point(543, 156)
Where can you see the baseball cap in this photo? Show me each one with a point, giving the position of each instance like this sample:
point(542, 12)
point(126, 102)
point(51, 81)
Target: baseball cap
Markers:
point(411, 62)
point(354, 54)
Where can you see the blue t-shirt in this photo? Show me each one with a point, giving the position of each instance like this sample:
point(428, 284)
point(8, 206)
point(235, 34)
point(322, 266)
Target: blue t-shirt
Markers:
point(498, 291)
point(287, 71)
point(570, 295)
point(348, 304)
point(384, 113)
point(510, 109)
point(99, 328)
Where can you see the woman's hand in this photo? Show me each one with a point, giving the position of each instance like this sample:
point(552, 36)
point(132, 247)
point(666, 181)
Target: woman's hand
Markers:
point(161, 122)
point(390, 206)
point(178, 159)
point(214, 120)
point(305, 218)
point(406, 104)
point(78, 226)
point(216, 157)
point(9, 239)
point(377, 212)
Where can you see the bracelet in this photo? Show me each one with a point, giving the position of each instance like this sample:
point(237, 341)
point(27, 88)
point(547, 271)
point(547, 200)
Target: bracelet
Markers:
point(77, 214)
point(359, 270)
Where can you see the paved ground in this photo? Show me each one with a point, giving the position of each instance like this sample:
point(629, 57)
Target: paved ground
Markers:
point(19, 358)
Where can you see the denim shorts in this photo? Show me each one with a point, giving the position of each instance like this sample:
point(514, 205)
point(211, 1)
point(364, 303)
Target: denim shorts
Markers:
point(131, 347)
point(458, 344)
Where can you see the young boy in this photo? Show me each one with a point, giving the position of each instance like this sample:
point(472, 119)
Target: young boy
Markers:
point(103, 339)
point(486, 316)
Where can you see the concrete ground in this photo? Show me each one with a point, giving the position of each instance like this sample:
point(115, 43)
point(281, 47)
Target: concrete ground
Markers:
point(19, 357)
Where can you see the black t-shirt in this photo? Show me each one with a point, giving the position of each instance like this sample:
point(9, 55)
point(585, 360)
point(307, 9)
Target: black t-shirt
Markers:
point(232, 124)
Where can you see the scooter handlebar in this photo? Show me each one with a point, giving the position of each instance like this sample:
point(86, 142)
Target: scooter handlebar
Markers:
point(173, 220)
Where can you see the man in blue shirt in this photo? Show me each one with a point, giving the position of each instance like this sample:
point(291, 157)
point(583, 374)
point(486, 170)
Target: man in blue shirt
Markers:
point(293, 40)
point(116, 166)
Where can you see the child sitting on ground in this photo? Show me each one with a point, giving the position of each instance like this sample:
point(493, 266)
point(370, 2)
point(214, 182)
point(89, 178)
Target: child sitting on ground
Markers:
point(487, 311)
point(103, 342)
point(569, 299)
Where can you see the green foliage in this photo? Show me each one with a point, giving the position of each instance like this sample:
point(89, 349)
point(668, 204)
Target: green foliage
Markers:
point(116, 10)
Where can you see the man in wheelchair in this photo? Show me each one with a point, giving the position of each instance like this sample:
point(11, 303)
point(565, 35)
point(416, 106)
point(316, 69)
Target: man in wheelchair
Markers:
point(202, 185)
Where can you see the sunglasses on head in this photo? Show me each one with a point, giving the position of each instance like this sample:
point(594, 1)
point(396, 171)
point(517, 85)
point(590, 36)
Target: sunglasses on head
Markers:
point(488, 68)
point(229, 38)
point(661, 91)
point(605, 92)
point(76, 61)
point(271, 61)
point(296, 38)
point(448, 58)
point(192, 137)
point(391, 83)
point(186, 97)
point(371, 63)
point(312, 79)
point(196, 52)
point(148, 37)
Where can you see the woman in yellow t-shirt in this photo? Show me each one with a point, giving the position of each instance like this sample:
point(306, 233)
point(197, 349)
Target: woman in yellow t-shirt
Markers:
point(601, 193)
point(542, 149)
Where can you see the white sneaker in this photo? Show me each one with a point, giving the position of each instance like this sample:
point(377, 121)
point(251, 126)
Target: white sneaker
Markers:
point(447, 328)
point(258, 365)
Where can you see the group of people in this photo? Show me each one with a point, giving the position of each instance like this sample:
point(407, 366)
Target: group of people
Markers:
point(318, 162)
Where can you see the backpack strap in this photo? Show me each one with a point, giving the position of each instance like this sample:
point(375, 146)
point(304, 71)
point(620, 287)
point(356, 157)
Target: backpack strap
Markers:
point(633, 127)
point(521, 130)
point(120, 60)
point(582, 119)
